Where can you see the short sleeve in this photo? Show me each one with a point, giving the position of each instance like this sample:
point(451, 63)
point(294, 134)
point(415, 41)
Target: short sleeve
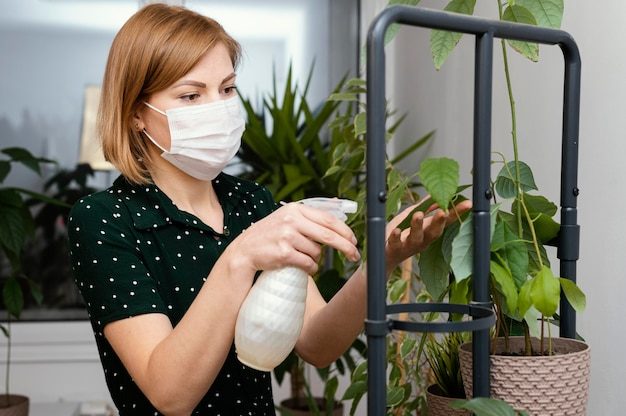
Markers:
point(107, 264)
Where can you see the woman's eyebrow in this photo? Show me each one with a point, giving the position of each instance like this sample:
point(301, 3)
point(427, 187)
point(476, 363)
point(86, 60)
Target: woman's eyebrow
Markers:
point(190, 82)
point(228, 78)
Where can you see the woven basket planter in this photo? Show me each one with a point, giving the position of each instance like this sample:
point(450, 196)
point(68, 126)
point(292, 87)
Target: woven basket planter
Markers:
point(440, 405)
point(555, 385)
point(18, 405)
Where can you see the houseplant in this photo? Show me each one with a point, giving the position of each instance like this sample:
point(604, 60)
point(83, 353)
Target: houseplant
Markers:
point(317, 153)
point(443, 358)
point(16, 227)
point(291, 159)
point(524, 290)
point(45, 257)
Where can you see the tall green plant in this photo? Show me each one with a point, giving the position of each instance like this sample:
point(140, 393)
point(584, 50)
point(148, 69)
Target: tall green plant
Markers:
point(301, 153)
point(524, 288)
point(16, 228)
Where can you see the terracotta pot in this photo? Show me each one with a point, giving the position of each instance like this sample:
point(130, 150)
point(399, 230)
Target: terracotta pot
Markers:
point(18, 405)
point(439, 405)
point(555, 385)
point(288, 408)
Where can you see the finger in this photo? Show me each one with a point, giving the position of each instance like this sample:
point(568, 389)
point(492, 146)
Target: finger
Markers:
point(328, 236)
point(435, 227)
point(307, 247)
point(416, 235)
point(328, 220)
point(459, 209)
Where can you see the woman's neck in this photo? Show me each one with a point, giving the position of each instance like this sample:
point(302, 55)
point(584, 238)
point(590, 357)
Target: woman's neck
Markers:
point(188, 193)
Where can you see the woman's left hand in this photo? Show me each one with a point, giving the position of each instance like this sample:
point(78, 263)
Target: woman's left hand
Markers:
point(402, 244)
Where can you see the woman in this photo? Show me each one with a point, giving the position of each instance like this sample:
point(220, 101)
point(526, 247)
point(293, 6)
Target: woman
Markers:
point(162, 258)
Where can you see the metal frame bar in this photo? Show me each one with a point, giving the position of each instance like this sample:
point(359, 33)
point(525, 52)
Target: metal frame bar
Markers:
point(485, 30)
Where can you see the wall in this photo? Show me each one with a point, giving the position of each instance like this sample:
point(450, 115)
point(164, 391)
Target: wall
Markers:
point(443, 101)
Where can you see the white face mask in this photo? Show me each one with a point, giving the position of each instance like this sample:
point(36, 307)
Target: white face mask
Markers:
point(204, 138)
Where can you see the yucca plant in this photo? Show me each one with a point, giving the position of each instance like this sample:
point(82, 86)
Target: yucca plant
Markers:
point(303, 153)
point(443, 358)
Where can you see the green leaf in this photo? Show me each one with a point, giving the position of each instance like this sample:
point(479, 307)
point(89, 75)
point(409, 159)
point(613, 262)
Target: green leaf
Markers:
point(547, 13)
point(505, 285)
point(545, 292)
point(5, 168)
point(13, 296)
point(354, 389)
point(532, 318)
point(462, 252)
point(537, 204)
point(434, 270)
point(540, 210)
point(360, 372)
point(505, 181)
point(360, 124)
point(330, 389)
point(482, 406)
point(440, 177)
point(26, 158)
point(516, 255)
point(574, 295)
point(518, 14)
point(498, 241)
point(463, 246)
point(407, 346)
point(524, 302)
point(397, 290)
point(13, 229)
point(459, 292)
point(395, 395)
point(356, 82)
point(442, 42)
point(343, 96)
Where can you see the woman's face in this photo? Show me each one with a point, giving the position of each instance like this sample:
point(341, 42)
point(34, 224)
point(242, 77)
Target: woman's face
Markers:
point(212, 79)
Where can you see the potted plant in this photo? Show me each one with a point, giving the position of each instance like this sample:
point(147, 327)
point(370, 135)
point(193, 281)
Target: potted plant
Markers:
point(318, 153)
point(16, 227)
point(443, 358)
point(291, 161)
point(524, 290)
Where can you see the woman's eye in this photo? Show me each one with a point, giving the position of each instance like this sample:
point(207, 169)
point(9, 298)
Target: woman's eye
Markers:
point(230, 90)
point(190, 97)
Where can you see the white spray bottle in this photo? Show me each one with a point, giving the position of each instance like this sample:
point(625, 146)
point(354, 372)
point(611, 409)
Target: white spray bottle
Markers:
point(270, 318)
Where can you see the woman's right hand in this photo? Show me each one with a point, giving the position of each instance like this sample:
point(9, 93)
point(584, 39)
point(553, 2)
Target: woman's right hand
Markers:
point(292, 236)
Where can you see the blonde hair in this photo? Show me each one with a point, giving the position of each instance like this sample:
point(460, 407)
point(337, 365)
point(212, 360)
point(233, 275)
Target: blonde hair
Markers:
point(156, 47)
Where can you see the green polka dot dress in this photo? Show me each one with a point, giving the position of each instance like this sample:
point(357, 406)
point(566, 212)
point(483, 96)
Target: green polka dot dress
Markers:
point(134, 252)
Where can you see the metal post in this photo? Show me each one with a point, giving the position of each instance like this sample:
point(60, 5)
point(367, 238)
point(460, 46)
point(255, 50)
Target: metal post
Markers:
point(375, 324)
point(569, 234)
point(481, 202)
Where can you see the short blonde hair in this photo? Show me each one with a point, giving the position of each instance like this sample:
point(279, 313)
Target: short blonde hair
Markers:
point(156, 47)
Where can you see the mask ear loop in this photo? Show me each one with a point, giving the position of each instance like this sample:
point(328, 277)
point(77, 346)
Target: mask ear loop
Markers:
point(152, 140)
point(146, 133)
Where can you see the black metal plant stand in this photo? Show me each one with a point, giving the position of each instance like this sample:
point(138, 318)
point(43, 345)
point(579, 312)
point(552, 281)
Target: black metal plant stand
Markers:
point(377, 324)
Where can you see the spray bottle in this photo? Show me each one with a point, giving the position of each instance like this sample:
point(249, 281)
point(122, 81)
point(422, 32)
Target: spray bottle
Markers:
point(271, 317)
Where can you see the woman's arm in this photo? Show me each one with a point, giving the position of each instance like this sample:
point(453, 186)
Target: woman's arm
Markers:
point(175, 367)
point(330, 329)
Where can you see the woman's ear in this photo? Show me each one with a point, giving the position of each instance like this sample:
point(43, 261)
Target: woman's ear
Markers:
point(137, 121)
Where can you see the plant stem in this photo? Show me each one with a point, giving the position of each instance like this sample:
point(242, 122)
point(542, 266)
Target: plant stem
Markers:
point(513, 124)
point(541, 341)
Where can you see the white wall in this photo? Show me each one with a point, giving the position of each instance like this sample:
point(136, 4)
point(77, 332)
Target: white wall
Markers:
point(444, 101)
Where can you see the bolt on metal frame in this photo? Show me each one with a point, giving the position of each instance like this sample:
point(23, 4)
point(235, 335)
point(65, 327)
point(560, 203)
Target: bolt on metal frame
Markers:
point(377, 324)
